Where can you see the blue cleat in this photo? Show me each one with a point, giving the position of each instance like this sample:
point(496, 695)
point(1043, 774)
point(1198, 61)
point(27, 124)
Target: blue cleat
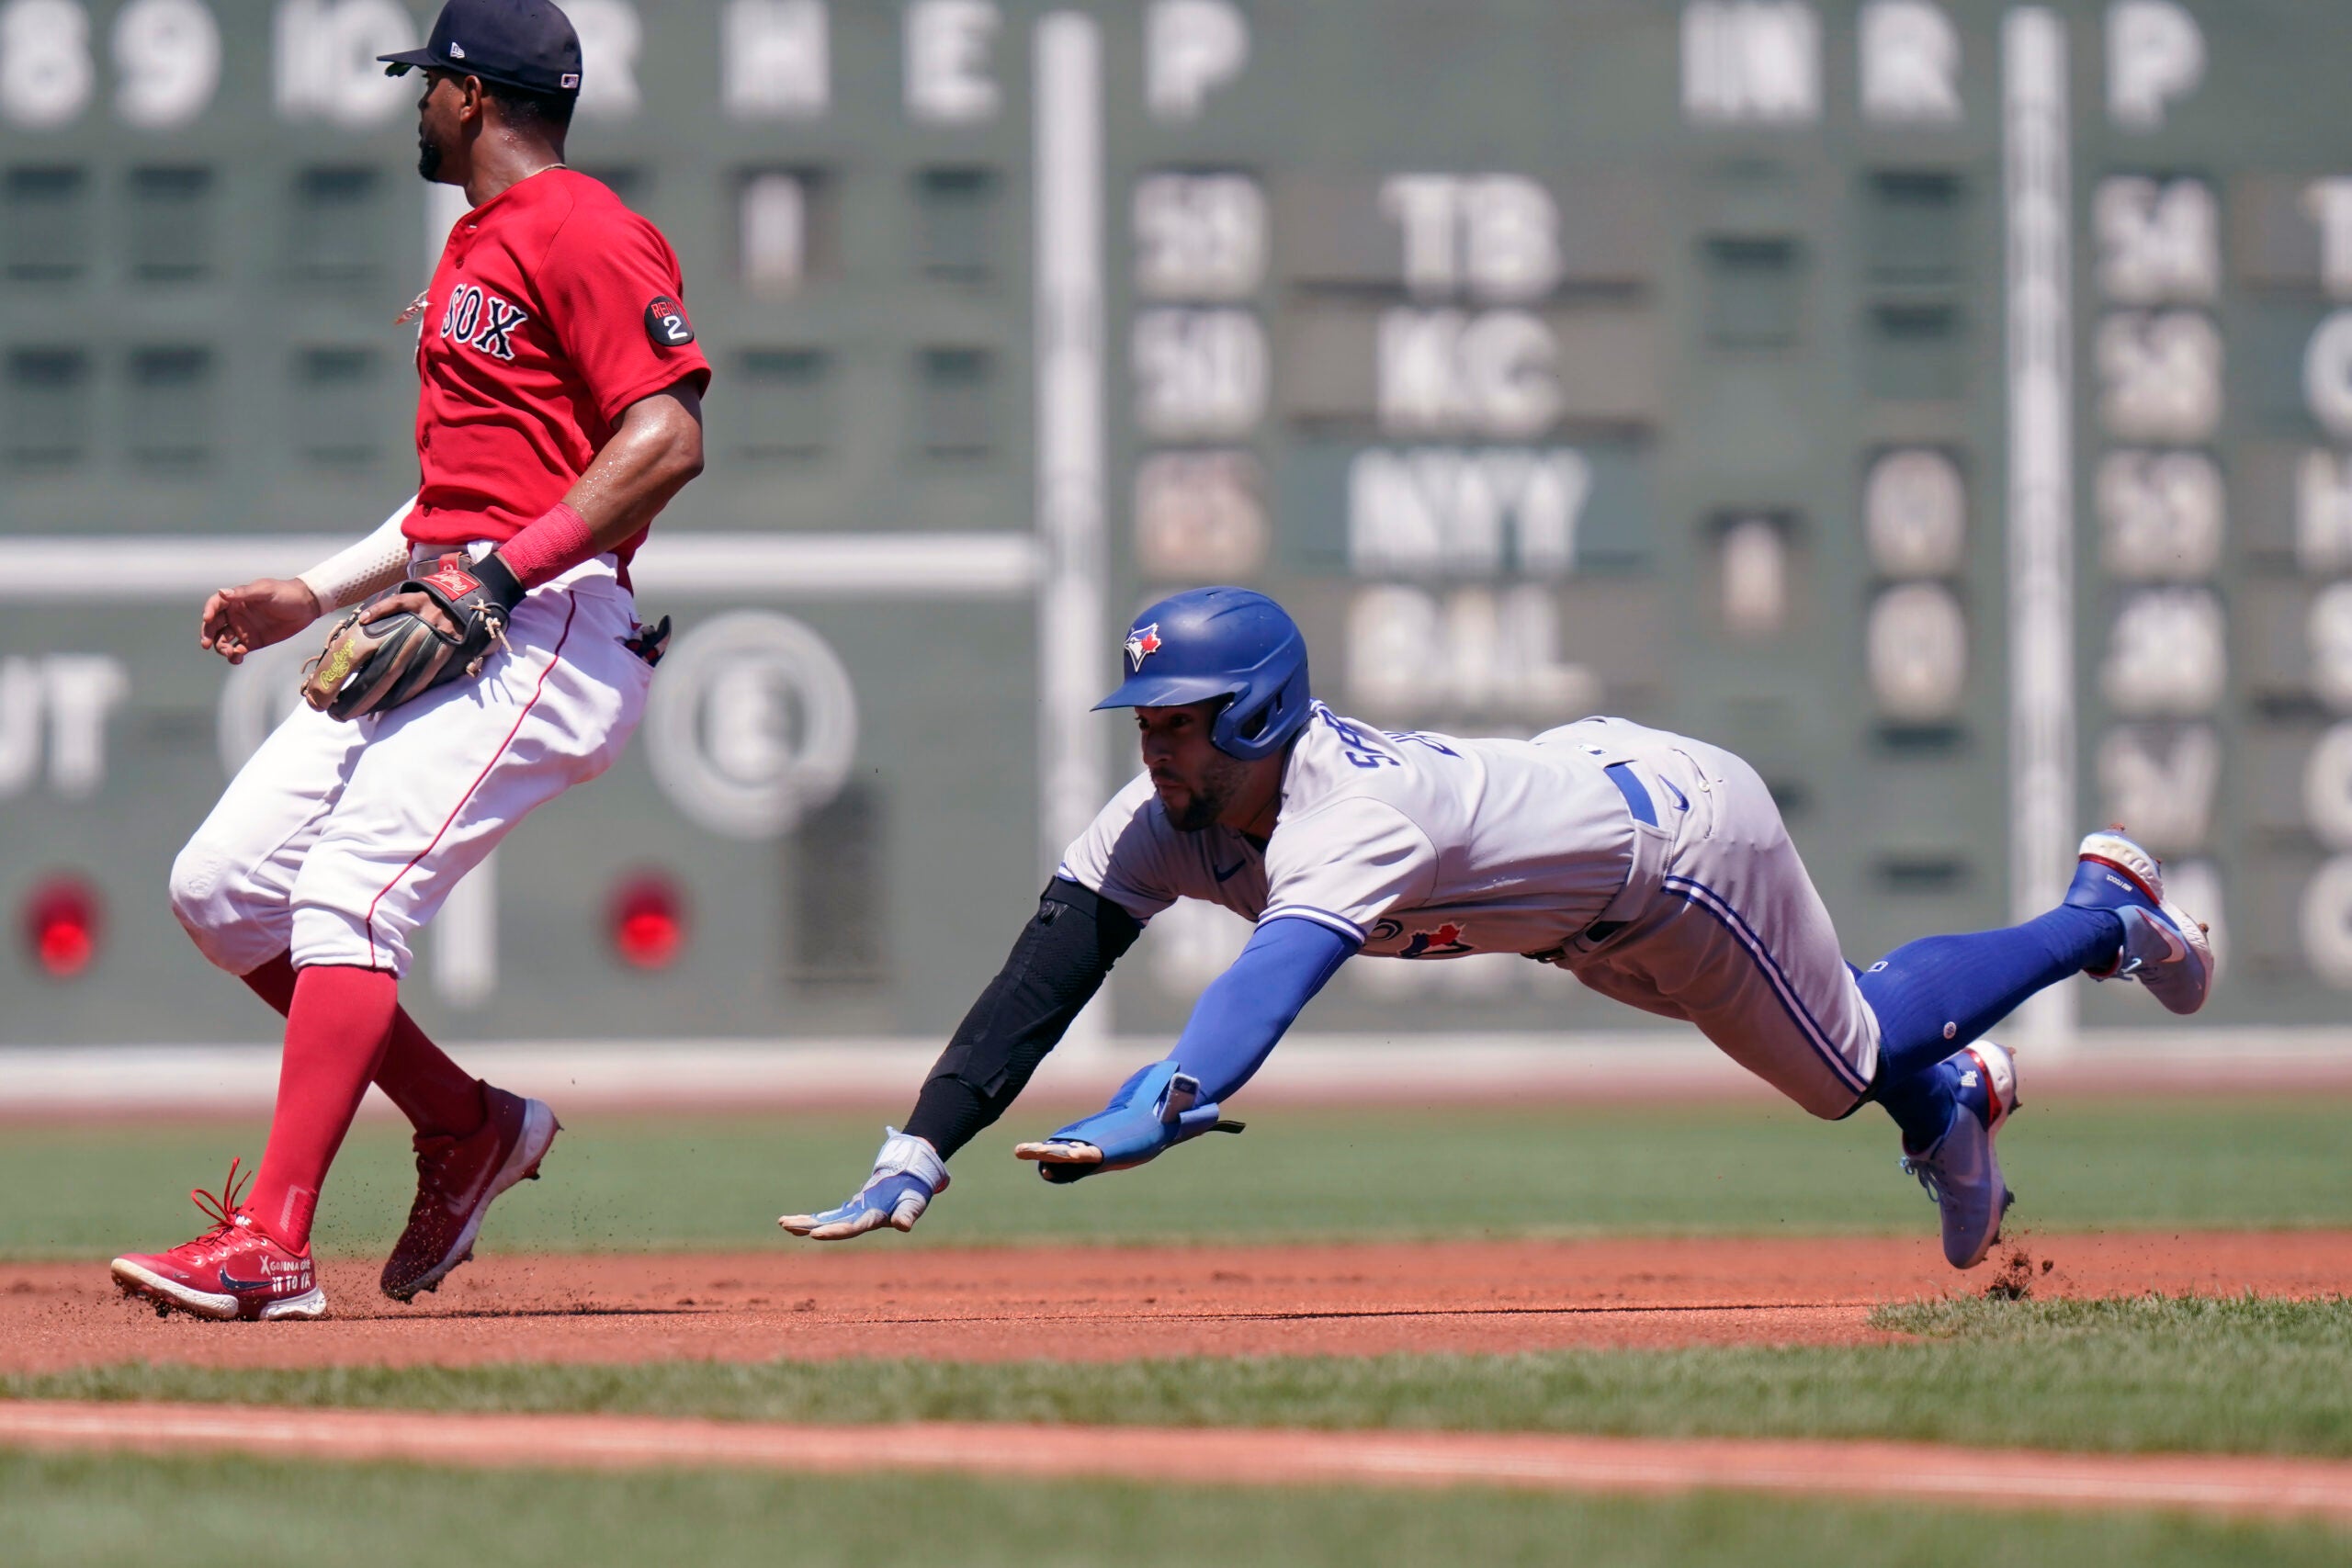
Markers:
point(2166, 951)
point(908, 1174)
point(1960, 1170)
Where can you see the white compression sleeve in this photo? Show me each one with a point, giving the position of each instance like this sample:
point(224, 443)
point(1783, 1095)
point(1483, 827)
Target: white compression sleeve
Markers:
point(375, 563)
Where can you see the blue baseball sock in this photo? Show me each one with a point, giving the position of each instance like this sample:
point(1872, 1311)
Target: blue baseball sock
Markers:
point(1924, 1104)
point(1936, 995)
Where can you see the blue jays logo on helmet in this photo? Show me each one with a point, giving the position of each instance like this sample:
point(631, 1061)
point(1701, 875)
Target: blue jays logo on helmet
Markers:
point(1211, 643)
point(1142, 643)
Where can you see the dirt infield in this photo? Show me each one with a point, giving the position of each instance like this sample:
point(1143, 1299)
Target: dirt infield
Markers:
point(874, 1298)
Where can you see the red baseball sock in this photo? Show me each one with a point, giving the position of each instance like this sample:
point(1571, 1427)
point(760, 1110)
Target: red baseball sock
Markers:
point(335, 1033)
point(434, 1093)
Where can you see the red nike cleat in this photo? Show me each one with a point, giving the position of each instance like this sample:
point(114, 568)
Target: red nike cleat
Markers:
point(457, 1180)
point(234, 1270)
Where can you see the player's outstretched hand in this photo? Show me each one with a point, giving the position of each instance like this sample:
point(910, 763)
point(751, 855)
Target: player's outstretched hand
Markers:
point(1157, 1109)
point(238, 621)
point(908, 1174)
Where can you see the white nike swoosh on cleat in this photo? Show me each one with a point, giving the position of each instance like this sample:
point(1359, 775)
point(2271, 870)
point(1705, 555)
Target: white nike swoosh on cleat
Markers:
point(461, 1204)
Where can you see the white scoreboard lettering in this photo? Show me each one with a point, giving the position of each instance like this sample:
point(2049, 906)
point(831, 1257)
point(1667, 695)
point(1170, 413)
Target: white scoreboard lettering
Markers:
point(2160, 516)
point(2160, 375)
point(1199, 236)
point(1493, 372)
point(1191, 48)
point(69, 698)
point(1917, 640)
point(1202, 516)
point(1751, 62)
point(1412, 651)
point(326, 61)
point(2324, 512)
point(46, 72)
point(1910, 63)
point(2156, 57)
point(2168, 655)
point(1200, 375)
point(776, 59)
point(2159, 241)
point(1443, 511)
point(1914, 514)
point(948, 49)
point(167, 59)
point(1494, 237)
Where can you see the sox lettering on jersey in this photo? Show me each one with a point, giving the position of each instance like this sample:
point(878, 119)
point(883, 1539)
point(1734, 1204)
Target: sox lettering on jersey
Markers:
point(481, 321)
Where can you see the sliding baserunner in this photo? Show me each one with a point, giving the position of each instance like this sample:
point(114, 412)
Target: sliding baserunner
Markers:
point(1652, 866)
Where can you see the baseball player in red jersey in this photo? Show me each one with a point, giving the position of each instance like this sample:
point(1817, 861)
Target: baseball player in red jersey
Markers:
point(560, 410)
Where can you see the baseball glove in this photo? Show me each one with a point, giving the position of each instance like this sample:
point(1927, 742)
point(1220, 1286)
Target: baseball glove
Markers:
point(373, 666)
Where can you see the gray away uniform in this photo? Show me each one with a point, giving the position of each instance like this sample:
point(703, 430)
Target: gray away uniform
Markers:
point(1652, 866)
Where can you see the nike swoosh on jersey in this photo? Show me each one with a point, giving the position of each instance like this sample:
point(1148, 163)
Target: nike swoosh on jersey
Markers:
point(1229, 873)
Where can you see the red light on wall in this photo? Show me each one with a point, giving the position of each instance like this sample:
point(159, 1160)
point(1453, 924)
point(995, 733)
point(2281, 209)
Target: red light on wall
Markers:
point(647, 922)
point(62, 926)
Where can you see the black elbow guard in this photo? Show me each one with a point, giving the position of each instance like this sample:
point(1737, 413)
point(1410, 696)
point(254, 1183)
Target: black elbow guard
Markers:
point(1059, 961)
point(1054, 970)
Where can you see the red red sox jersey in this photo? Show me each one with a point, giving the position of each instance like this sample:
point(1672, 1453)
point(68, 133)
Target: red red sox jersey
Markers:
point(553, 310)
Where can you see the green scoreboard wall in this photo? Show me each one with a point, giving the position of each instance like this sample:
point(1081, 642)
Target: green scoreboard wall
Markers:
point(1944, 404)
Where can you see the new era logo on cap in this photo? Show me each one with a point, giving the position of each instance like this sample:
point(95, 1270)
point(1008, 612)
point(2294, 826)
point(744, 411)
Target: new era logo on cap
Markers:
point(457, 51)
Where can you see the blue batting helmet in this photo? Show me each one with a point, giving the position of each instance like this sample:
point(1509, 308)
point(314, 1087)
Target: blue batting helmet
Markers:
point(1221, 642)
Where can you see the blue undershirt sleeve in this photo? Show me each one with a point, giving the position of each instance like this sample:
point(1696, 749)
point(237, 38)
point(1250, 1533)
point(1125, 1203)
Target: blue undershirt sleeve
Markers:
point(1243, 1013)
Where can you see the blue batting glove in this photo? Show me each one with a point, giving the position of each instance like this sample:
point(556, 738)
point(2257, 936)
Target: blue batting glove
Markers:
point(1155, 1109)
point(908, 1174)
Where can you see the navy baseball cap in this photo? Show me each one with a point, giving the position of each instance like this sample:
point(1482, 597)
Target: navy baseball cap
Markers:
point(520, 43)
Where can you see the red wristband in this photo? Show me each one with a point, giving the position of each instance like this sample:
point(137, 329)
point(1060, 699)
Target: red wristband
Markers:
point(549, 548)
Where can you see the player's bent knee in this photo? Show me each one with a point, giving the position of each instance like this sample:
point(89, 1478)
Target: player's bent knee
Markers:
point(233, 923)
point(200, 879)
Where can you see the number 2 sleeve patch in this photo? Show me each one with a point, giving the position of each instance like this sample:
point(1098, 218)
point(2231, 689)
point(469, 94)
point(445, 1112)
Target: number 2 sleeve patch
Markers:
point(610, 287)
point(665, 323)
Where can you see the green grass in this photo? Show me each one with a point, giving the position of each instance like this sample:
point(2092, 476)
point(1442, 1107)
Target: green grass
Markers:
point(2151, 1374)
point(139, 1512)
point(633, 1183)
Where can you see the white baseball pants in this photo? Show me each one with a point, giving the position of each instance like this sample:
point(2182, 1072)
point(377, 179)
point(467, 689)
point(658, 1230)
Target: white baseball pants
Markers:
point(339, 840)
point(1721, 925)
